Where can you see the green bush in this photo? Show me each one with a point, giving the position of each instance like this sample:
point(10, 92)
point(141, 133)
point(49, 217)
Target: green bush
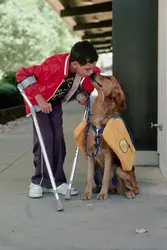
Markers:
point(9, 77)
point(11, 101)
point(7, 87)
point(11, 114)
point(9, 96)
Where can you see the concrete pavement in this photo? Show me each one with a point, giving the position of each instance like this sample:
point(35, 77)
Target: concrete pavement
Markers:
point(96, 225)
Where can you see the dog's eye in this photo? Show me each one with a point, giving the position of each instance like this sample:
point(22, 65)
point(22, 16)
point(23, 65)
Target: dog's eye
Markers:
point(108, 77)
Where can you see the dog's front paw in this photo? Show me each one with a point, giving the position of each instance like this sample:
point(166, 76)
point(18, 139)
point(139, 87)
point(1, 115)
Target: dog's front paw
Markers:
point(130, 195)
point(87, 196)
point(102, 196)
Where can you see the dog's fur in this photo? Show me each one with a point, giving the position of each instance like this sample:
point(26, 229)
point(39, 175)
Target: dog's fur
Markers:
point(110, 101)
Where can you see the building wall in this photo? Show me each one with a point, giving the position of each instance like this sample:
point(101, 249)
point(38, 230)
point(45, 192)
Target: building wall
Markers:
point(135, 27)
point(162, 85)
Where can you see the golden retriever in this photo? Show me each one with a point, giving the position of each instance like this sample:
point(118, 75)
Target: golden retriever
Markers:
point(110, 101)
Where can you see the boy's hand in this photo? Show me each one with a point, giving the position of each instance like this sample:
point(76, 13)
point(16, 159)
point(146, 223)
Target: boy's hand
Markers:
point(82, 99)
point(44, 105)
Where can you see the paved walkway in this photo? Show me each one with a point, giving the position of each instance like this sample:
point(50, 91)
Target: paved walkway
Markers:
point(95, 225)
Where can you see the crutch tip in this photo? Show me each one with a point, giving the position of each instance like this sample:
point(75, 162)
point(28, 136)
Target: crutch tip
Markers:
point(68, 195)
point(59, 206)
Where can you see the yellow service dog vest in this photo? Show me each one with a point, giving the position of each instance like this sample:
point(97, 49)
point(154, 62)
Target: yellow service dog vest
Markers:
point(116, 135)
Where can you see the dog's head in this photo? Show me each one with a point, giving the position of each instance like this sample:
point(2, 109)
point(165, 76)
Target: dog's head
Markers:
point(109, 87)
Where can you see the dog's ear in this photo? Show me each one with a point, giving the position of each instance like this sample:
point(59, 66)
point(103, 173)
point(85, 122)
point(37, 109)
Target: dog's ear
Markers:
point(118, 95)
point(120, 99)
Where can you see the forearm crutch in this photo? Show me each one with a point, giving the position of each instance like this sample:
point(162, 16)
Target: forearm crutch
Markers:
point(33, 113)
point(68, 194)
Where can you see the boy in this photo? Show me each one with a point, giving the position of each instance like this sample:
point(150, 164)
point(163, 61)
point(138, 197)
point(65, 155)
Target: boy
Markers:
point(47, 86)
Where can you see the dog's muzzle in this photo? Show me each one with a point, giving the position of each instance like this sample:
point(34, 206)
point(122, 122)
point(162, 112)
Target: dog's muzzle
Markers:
point(93, 79)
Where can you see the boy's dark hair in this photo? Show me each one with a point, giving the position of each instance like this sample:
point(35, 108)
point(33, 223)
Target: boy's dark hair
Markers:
point(83, 52)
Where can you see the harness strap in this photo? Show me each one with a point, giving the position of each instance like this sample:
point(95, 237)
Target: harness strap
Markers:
point(98, 131)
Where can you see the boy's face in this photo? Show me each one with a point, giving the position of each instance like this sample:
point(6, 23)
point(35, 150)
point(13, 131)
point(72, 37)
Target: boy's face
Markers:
point(85, 70)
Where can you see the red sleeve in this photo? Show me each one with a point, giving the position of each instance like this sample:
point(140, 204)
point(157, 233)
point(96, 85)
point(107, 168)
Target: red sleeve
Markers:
point(87, 84)
point(28, 77)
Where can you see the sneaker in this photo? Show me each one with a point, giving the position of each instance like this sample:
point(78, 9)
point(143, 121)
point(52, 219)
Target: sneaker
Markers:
point(36, 191)
point(62, 189)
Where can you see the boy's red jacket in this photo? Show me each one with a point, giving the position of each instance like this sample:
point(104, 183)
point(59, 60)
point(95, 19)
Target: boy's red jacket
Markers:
point(45, 79)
